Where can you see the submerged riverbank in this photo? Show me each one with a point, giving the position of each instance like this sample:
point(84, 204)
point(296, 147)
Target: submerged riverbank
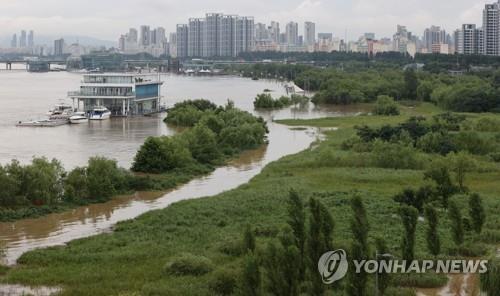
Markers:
point(133, 257)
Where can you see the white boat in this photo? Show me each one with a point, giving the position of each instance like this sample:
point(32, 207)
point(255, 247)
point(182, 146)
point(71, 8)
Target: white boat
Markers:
point(42, 123)
point(100, 113)
point(78, 117)
point(60, 111)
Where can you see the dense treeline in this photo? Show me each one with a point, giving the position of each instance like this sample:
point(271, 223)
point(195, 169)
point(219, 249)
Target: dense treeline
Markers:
point(472, 92)
point(44, 186)
point(266, 101)
point(433, 62)
point(214, 134)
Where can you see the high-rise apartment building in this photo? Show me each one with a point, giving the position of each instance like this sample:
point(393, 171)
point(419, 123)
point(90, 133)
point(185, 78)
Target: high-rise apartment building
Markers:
point(31, 39)
point(274, 32)
point(292, 33)
point(195, 37)
point(309, 33)
point(145, 36)
point(467, 39)
point(59, 47)
point(433, 36)
point(13, 42)
point(22, 39)
point(182, 40)
point(491, 29)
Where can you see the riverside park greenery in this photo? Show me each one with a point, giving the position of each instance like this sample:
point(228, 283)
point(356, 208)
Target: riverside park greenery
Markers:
point(215, 135)
point(385, 169)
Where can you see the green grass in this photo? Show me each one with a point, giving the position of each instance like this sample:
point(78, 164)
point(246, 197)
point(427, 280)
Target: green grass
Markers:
point(132, 259)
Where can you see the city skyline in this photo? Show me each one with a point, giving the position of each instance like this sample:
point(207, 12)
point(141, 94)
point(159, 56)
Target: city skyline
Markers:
point(338, 16)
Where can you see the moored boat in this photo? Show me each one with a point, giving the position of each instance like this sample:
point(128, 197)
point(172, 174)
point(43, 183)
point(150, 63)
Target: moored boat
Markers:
point(100, 113)
point(78, 117)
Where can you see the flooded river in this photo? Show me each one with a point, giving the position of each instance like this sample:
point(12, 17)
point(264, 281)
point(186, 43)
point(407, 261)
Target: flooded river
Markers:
point(28, 95)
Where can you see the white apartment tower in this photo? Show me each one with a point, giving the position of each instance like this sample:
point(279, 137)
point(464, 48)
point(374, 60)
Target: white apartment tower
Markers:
point(491, 29)
point(292, 33)
point(309, 33)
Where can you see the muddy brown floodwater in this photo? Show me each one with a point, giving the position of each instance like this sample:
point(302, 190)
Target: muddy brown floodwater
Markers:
point(56, 229)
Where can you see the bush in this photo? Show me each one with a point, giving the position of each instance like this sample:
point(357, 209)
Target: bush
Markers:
point(395, 156)
point(188, 264)
point(223, 282)
point(266, 101)
point(421, 280)
point(161, 154)
point(105, 178)
point(386, 106)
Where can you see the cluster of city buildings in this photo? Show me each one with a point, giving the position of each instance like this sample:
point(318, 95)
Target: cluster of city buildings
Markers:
point(220, 35)
point(485, 40)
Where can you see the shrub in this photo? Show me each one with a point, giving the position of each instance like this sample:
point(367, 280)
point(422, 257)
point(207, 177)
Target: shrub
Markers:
point(161, 154)
point(105, 178)
point(188, 264)
point(395, 156)
point(266, 101)
point(223, 281)
point(386, 106)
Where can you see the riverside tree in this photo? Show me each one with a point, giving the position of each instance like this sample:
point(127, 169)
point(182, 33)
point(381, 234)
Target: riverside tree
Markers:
point(359, 248)
point(248, 239)
point(319, 241)
point(409, 217)
point(432, 236)
point(383, 277)
point(251, 285)
point(457, 228)
point(411, 84)
point(297, 220)
point(476, 212)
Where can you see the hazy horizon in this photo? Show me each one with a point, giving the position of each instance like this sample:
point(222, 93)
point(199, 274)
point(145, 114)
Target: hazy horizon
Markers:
point(106, 20)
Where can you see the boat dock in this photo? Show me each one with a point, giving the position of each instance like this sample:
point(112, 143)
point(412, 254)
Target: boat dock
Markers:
point(42, 123)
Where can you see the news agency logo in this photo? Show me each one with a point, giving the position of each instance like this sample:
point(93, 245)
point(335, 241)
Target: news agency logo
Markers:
point(333, 266)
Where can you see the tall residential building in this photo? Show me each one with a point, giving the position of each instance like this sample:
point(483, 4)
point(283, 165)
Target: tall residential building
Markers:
point(491, 29)
point(59, 47)
point(467, 39)
point(161, 36)
point(261, 32)
point(292, 33)
point(182, 40)
point(132, 36)
point(309, 33)
point(274, 32)
point(122, 43)
point(244, 37)
point(211, 35)
point(31, 39)
point(13, 42)
point(195, 37)
point(433, 36)
point(226, 35)
point(22, 39)
point(172, 45)
point(145, 36)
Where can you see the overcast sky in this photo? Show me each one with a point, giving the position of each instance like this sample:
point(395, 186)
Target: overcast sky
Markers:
point(107, 19)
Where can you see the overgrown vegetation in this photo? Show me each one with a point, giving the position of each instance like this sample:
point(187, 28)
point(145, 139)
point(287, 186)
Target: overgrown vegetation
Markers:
point(244, 234)
point(266, 101)
point(215, 133)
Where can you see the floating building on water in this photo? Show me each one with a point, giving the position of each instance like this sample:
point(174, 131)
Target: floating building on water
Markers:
point(123, 94)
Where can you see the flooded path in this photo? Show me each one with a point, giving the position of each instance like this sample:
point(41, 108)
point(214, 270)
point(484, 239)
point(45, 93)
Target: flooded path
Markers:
point(56, 229)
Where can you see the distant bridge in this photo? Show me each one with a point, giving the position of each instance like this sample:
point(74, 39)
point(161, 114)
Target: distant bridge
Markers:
point(8, 62)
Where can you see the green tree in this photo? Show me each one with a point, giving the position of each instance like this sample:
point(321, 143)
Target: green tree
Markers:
point(249, 239)
point(104, 178)
point(490, 280)
point(297, 220)
point(43, 181)
point(476, 212)
point(439, 173)
point(319, 241)
point(282, 262)
point(432, 235)
point(409, 217)
point(411, 84)
point(457, 228)
point(359, 248)
point(461, 164)
point(383, 277)
point(10, 188)
point(202, 143)
point(386, 106)
point(76, 184)
point(161, 155)
point(251, 285)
